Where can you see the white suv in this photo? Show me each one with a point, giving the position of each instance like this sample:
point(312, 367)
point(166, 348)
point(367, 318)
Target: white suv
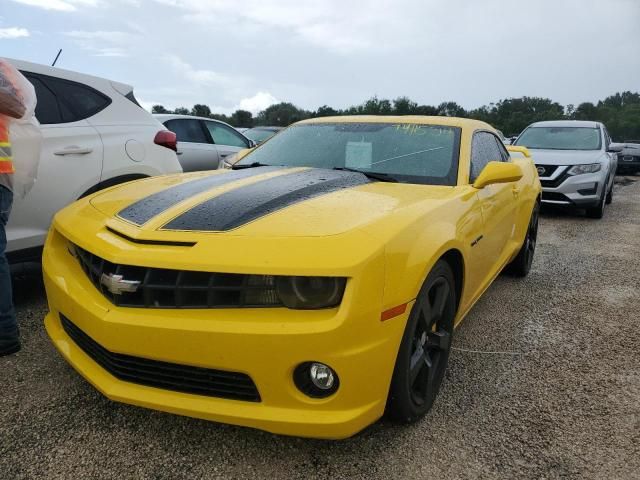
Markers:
point(95, 135)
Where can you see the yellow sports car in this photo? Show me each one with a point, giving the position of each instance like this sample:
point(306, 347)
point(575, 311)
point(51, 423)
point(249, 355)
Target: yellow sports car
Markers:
point(306, 291)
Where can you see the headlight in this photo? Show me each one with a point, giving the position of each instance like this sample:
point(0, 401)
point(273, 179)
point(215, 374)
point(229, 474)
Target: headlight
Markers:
point(308, 293)
point(581, 169)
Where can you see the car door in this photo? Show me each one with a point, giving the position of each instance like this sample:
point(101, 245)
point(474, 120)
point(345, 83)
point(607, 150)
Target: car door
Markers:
point(498, 205)
point(613, 157)
point(226, 139)
point(195, 150)
point(70, 159)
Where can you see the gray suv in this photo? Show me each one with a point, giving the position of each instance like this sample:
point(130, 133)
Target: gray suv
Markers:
point(576, 163)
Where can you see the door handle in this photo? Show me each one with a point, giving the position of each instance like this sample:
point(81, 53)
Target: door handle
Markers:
point(516, 191)
point(179, 153)
point(74, 150)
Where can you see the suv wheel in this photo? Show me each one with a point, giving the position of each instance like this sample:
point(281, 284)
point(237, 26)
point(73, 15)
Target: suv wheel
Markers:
point(598, 210)
point(609, 198)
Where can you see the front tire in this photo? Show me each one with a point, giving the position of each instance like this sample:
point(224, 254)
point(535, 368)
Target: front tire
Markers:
point(609, 198)
point(424, 352)
point(597, 212)
point(521, 265)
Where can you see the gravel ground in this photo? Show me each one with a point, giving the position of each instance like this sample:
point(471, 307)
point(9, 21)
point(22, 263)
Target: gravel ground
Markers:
point(544, 383)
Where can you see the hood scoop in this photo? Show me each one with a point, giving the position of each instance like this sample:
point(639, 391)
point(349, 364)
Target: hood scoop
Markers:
point(141, 241)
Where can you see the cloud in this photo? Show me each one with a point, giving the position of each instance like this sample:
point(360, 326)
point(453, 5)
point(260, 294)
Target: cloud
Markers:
point(355, 28)
point(257, 103)
point(200, 78)
point(13, 32)
point(59, 5)
point(103, 43)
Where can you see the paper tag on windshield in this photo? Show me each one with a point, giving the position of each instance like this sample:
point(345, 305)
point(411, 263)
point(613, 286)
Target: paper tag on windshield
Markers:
point(358, 155)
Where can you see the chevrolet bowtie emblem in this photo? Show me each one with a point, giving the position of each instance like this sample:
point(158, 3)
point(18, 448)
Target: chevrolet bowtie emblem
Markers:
point(117, 285)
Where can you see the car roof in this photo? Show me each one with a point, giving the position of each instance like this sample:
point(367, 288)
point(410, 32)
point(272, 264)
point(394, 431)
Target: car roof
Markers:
point(172, 116)
point(417, 119)
point(72, 75)
point(567, 123)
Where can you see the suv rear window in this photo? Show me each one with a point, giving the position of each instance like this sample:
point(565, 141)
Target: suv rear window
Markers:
point(63, 101)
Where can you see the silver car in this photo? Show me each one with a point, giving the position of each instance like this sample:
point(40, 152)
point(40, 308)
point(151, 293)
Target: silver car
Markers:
point(203, 143)
point(576, 163)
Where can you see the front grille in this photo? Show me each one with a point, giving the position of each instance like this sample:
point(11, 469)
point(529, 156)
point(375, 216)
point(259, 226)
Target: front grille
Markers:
point(165, 288)
point(555, 196)
point(164, 375)
point(557, 181)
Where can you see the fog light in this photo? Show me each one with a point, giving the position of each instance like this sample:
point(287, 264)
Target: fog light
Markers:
point(321, 376)
point(316, 379)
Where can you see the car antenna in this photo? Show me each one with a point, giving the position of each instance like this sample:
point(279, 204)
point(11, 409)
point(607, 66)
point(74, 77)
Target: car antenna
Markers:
point(56, 59)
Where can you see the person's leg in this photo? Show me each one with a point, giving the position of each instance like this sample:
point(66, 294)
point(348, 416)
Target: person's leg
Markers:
point(9, 338)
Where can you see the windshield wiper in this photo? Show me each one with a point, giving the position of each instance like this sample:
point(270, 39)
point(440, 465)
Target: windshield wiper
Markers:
point(249, 165)
point(383, 177)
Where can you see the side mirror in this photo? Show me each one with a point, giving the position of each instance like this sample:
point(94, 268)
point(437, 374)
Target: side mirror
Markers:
point(252, 143)
point(615, 148)
point(498, 172)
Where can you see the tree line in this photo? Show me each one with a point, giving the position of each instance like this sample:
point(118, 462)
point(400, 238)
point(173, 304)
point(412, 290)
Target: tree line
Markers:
point(619, 112)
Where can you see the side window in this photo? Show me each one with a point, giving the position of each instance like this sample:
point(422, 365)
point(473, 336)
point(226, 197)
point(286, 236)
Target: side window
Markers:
point(187, 130)
point(63, 101)
point(607, 139)
point(484, 149)
point(83, 101)
point(503, 151)
point(223, 135)
point(47, 108)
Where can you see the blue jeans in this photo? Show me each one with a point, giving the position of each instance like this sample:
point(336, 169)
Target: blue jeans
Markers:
point(8, 324)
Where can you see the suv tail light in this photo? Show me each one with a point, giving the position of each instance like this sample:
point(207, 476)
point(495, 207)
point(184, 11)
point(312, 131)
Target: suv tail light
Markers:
point(166, 138)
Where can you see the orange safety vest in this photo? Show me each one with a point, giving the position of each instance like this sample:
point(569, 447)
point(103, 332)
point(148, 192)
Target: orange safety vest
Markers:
point(6, 161)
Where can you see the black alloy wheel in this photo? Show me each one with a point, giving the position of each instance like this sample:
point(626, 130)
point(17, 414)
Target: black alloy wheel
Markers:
point(424, 352)
point(521, 265)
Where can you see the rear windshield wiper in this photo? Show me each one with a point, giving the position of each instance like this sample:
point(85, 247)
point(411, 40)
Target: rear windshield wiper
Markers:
point(249, 165)
point(383, 177)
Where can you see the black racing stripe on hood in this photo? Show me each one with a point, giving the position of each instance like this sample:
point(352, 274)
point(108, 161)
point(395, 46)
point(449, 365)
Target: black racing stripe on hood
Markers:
point(145, 209)
point(242, 205)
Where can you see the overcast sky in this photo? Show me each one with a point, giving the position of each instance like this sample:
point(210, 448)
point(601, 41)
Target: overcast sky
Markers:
point(250, 53)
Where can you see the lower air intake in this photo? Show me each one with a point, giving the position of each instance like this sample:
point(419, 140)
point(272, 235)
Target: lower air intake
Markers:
point(164, 375)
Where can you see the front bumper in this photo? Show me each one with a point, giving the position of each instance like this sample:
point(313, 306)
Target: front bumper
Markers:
point(265, 344)
point(573, 190)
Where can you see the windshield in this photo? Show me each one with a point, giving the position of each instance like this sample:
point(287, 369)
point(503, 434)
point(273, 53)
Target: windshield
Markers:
point(561, 138)
point(259, 135)
point(410, 153)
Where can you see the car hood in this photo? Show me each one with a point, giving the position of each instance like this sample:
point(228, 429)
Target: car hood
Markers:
point(259, 202)
point(566, 157)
